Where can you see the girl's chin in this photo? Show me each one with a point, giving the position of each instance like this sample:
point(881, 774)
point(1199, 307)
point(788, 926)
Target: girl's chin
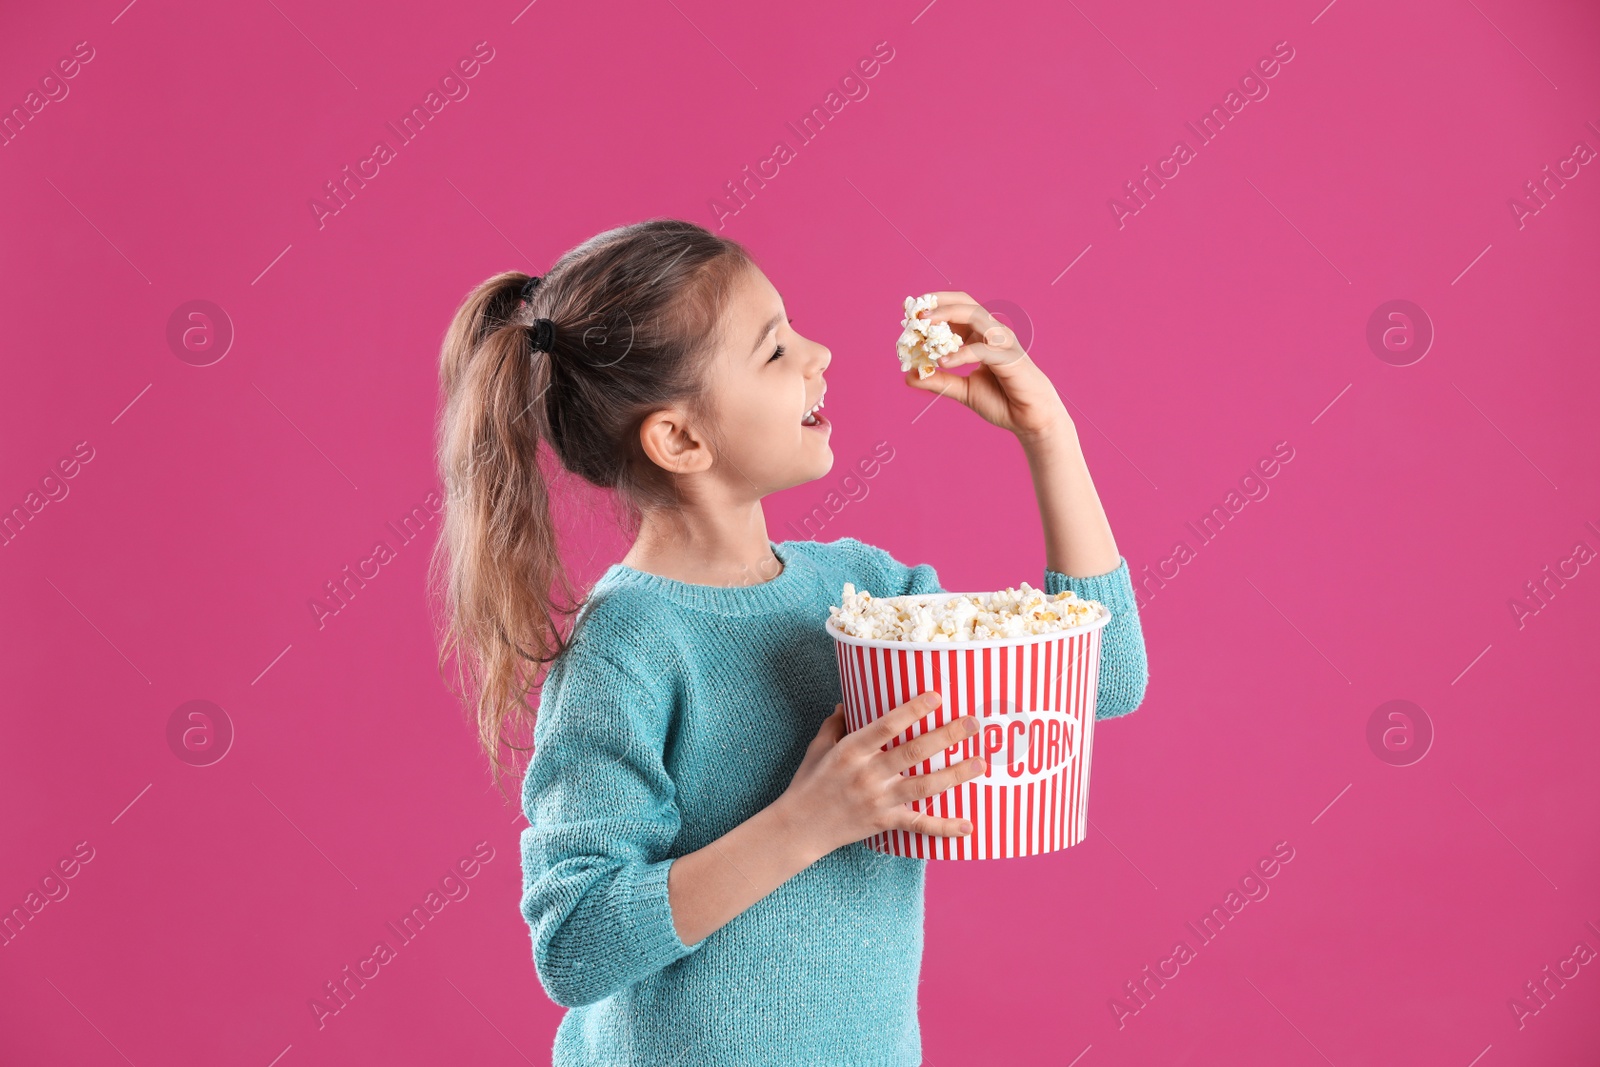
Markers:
point(819, 444)
point(819, 465)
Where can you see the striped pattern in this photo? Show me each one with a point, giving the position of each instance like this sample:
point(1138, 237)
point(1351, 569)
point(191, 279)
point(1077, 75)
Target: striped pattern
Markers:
point(1035, 703)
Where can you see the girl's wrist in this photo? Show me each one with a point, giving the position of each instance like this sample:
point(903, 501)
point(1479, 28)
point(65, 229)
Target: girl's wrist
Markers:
point(1058, 432)
point(798, 830)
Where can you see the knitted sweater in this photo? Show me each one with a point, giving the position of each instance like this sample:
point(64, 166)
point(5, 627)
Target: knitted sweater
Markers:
point(678, 712)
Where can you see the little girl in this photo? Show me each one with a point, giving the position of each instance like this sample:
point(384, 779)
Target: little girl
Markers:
point(694, 876)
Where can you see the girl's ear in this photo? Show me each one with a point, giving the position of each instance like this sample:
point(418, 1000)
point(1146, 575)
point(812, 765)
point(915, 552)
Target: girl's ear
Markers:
point(672, 444)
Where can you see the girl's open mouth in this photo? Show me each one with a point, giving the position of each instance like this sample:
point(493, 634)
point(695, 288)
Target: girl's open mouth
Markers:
point(814, 416)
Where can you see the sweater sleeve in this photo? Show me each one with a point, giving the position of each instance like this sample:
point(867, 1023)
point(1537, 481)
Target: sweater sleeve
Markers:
point(1124, 669)
point(602, 814)
point(883, 575)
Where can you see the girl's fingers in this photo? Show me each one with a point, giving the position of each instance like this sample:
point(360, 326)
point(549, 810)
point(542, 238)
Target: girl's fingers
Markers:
point(925, 745)
point(986, 339)
point(1003, 353)
point(966, 321)
point(833, 727)
point(953, 386)
point(881, 731)
point(918, 823)
point(972, 321)
point(922, 786)
point(952, 297)
point(968, 353)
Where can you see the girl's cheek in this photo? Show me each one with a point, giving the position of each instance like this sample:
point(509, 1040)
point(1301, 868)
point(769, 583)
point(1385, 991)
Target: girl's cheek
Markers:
point(752, 427)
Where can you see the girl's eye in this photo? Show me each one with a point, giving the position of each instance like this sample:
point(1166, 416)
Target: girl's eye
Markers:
point(776, 353)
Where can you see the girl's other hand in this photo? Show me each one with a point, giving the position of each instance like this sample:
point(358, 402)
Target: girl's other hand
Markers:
point(849, 788)
point(1007, 389)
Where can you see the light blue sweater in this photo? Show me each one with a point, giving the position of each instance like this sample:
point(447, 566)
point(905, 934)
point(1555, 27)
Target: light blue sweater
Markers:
point(679, 712)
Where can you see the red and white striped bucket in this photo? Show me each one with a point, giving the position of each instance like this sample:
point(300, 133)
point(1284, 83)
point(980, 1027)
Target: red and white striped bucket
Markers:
point(1034, 697)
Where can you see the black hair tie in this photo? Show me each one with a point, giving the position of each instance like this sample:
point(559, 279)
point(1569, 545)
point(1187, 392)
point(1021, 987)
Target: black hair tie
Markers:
point(544, 334)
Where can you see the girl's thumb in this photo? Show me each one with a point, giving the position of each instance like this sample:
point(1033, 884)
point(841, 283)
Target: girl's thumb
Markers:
point(940, 381)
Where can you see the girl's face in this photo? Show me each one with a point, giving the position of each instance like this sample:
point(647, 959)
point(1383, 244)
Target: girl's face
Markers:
point(764, 381)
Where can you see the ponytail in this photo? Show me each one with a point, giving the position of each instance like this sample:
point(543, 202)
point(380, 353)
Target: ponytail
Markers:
point(628, 317)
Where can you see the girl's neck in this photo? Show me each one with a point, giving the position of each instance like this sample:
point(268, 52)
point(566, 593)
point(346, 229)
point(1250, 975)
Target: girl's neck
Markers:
point(720, 547)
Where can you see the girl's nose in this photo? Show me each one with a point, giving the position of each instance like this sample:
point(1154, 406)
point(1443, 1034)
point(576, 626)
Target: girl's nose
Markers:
point(824, 357)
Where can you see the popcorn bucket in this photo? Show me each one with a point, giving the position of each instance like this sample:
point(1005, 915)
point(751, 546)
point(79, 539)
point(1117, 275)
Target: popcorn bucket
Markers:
point(1034, 697)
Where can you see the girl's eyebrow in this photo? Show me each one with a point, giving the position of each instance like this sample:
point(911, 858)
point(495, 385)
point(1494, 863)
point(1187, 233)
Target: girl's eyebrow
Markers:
point(772, 324)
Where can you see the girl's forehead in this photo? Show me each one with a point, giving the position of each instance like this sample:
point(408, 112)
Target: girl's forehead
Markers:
point(751, 306)
point(755, 291)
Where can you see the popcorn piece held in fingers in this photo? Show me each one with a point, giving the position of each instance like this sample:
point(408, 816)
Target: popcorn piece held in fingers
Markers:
point(922, 341)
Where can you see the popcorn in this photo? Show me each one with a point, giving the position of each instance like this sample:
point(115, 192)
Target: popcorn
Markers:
point(922, 342)
point(935, 617)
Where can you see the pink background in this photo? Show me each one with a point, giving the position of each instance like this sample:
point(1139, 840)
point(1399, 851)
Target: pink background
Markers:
point(1228, 315)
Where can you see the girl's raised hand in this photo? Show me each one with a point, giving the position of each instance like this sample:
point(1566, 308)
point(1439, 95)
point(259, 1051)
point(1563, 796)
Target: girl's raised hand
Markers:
point(849, 788)
point(1008, 388)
